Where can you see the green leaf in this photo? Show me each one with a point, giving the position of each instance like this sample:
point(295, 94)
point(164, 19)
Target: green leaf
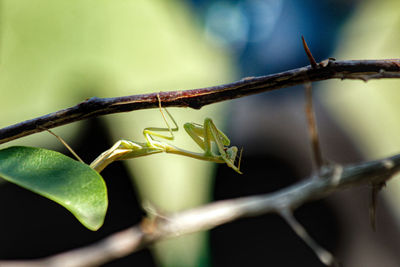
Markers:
point(70, 183)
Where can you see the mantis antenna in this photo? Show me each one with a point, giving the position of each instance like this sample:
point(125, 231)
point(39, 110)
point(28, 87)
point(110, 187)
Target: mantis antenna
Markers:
point(66, 145)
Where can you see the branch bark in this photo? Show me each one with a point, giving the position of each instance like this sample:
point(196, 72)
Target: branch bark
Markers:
point(330, 178)
point(197, 98)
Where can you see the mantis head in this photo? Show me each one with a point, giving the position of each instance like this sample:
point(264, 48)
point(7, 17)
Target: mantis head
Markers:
point(230, 158)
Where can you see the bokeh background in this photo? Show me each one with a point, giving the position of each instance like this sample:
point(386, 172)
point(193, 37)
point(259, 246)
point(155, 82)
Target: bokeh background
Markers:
point(54, 54)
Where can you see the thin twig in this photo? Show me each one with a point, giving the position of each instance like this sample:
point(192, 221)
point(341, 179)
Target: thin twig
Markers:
point(197, 98)
point(209, 216)
point(312, 127)
point(324, 256)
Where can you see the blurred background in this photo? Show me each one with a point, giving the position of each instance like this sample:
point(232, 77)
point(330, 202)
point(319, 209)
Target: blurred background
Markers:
point(54, 54)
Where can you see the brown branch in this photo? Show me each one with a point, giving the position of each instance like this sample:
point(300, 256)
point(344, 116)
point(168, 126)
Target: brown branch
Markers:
point(197, 98)
point(283, 202)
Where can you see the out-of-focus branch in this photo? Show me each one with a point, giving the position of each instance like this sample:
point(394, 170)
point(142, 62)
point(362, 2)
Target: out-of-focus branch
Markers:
point(312, 128)
point(330, 178)
point(197, 98)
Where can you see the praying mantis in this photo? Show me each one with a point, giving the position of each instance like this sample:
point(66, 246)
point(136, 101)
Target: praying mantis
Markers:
point(204, 135)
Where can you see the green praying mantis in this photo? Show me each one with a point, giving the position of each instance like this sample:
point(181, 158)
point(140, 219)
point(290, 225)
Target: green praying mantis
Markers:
point(204, 135)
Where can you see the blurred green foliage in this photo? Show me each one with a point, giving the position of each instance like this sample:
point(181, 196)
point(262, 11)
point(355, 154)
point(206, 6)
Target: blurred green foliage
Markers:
point(54, 54)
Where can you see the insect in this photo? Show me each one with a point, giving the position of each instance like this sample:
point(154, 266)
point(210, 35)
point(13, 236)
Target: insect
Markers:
point(204, 135)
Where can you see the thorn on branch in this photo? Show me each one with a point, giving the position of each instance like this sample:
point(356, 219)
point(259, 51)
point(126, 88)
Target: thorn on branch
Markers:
point(309, 55)
point(372, 206)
